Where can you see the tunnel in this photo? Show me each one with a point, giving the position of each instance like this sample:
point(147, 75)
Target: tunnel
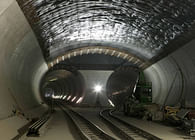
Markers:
point(59, 49)
point(62, 84)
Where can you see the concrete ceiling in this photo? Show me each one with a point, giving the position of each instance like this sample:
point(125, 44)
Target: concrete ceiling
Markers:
point(148, 29)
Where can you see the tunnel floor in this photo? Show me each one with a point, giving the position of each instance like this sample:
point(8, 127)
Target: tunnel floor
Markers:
point(61, 127)
point(58, 127)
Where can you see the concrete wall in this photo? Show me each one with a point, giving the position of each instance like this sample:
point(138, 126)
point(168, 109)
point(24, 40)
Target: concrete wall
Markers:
point(20, 58)
point(173, 77)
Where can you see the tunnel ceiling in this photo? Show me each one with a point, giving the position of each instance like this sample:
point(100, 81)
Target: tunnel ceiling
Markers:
point(145, 28)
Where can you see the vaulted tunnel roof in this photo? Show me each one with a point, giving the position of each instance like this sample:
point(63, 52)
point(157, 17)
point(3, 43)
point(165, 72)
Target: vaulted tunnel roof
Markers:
point(145, 28)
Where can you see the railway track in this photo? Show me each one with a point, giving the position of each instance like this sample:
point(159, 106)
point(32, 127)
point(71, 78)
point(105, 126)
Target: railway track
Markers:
point(125, 130)
point(86, 129)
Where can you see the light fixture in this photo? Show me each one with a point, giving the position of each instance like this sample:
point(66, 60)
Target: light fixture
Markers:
point(111, 103)
point(64, 97)
point(79, 100)
point(97, 88)
point(54, 79)
point(73, 99)
point(68, 97)
point(56, 96)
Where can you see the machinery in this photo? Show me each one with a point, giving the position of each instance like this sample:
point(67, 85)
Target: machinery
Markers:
point(170, 115)
point(143, 89)
point(144, 92)
point(188, 120)
point(183, 118)
point(140, 103)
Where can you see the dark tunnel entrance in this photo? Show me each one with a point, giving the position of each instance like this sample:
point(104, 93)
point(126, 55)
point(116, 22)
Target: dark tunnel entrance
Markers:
point(74, 75)
point(62, 85)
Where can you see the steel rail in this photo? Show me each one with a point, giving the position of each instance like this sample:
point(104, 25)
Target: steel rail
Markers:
point(87, 129)
point(126, 130)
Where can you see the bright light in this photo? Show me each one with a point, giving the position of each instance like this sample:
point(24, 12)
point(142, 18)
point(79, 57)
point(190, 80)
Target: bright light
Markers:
point(64, 97)
point(68, 98)
point(79, 100)
point(73, 99)
point(47, 95)
point(56, 96)
point(111, 103)
point(97, 88)
point(54, 79)
point(134, 89)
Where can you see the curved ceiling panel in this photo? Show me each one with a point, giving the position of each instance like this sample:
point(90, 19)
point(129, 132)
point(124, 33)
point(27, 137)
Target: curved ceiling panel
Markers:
point(143, 27)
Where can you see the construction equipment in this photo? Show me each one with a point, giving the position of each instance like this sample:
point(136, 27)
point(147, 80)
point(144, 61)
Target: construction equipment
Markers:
point(170, 115)
point(188, 120)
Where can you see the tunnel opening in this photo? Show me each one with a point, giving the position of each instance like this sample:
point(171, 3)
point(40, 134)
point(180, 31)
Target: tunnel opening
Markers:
point(90, 62)
point(121, 85)
point(62, 84)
